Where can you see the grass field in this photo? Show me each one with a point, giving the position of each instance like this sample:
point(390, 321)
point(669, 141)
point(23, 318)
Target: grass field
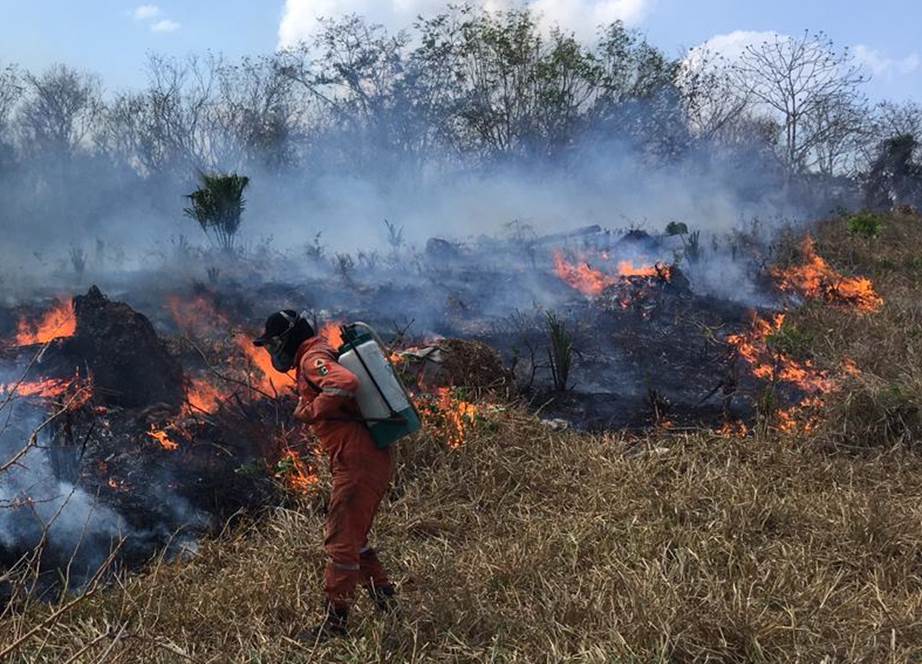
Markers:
point(532, 545)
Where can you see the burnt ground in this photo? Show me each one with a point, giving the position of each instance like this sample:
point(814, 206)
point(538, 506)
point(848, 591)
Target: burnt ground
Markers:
point(648, 351)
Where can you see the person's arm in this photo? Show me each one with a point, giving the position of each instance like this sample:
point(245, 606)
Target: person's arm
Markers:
point(338, 386)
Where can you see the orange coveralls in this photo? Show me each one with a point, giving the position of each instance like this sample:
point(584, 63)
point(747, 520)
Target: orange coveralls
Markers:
point(361, 471)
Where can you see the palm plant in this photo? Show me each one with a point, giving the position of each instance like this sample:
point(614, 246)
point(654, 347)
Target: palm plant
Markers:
point(217, 205)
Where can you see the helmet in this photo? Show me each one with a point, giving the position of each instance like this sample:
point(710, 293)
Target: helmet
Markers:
point(285, 331)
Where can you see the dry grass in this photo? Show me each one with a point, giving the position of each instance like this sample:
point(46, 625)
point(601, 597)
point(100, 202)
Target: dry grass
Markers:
point(884, 405)
point(530, 545)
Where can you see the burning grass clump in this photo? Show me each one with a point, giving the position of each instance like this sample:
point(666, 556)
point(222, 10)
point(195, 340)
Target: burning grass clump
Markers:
point(880, 350)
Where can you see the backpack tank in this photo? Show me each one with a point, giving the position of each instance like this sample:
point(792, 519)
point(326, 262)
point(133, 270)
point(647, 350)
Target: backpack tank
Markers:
point(382, 399)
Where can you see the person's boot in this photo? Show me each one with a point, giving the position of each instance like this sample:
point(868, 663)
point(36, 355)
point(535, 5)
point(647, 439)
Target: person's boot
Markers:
point(384, 597)
point(333, 625)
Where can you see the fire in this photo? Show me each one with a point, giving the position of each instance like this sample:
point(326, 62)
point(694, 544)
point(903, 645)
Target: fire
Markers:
point(590, 281)
point(769, 365)
point(582, 277)
point(197, 315)
point(296, 472)
point(817, 279)
point(450, 416)
point(628, 269)
point(331, 332)
point(50, 388)
point(163, 438)
point(202, 396)
point(733, 429)
point(73, 393)
point(265, 378)
point(60, 321)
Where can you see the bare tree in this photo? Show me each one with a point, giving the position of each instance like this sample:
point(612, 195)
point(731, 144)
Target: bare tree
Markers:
point(714, 104)
point(838, 128)
point(61, 110)
point(11, 89)
point(257, 111)
point(893, 119)
point(800, 81)
point(167, 125)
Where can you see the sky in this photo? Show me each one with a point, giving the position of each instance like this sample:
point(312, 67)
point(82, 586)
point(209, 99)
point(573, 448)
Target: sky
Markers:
point(113, 38)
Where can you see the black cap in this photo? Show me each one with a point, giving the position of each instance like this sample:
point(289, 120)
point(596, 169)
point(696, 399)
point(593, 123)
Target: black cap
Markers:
point(277, 325)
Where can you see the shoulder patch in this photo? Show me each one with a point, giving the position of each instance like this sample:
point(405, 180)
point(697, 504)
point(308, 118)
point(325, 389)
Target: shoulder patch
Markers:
point(321, 366)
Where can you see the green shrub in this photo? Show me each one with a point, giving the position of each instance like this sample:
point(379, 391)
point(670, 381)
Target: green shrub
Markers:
point(865, 224)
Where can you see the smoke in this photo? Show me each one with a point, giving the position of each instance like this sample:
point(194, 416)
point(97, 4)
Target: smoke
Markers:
point(37, 506)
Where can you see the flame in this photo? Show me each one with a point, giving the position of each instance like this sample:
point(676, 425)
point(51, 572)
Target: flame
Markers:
point(450, 416)
point(627, 268)
point(769, 365)
point(590, 281)
point(817, 279)
point(297, 473)
point(78, 392)
point(734, 429)
point(196, 316)
point(582, 277)
point(332, 333)
point(163, 438)
point(50, 388)
point(60, 321)
point(849, 368)
point(263, 377)
point(202, 396)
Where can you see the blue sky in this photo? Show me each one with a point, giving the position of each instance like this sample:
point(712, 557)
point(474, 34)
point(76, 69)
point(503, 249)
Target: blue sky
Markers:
point(112, 37)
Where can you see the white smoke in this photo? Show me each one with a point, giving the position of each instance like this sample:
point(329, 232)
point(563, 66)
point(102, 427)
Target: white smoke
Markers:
point(582, 17)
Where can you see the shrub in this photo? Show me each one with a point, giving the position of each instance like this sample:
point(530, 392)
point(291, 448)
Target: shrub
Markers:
point(865, 224)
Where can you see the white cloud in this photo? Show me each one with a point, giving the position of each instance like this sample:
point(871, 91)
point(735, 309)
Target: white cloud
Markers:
point(145, 12)
point(733, 44)
point(885, 67)
point(166, 25)
point(580, 16)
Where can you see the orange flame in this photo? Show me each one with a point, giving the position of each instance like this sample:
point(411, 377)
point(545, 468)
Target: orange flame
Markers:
point(60, 321)
point(196, 316)
point(78, 392)
point(453, 416)
point(817, 279)
point(264, 377)
point(202, 396)
point(768, 365)
point(582, 277)
point(163, 438)
point(297, 474)
point(590, 281)
point(331, 332)
point(50, 388)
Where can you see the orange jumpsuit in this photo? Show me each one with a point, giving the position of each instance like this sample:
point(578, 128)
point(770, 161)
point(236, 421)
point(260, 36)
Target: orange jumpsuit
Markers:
point(361, 472)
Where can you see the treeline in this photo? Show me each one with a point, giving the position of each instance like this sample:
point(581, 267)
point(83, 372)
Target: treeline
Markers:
point(460, 92)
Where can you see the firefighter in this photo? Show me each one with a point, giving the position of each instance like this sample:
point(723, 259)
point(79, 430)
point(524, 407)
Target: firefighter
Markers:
point(361, 472)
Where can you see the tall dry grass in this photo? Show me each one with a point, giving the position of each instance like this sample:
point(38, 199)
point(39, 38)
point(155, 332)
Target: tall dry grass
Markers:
point(527, 545)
